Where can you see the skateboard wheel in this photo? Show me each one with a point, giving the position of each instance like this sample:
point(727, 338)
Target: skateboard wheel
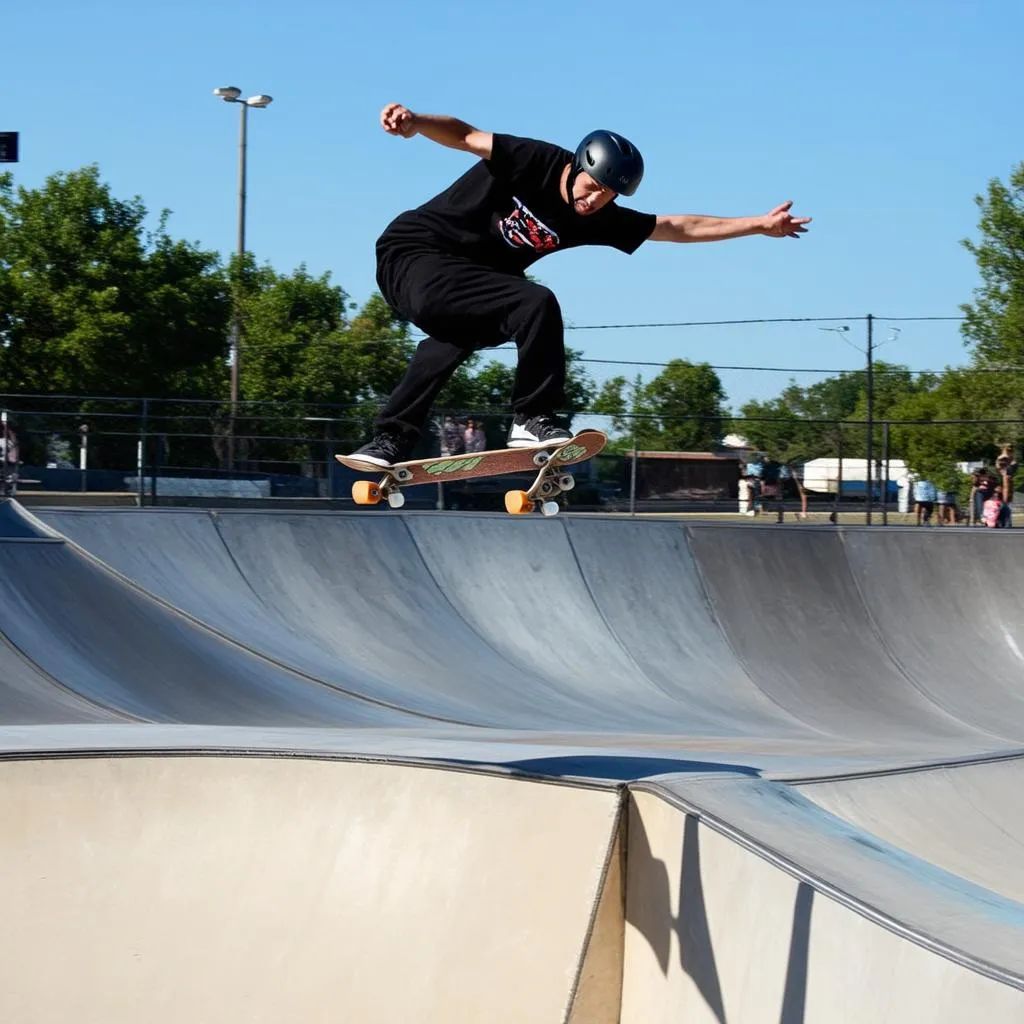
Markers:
point(566, 481)
point(365, 492)
point(402, 475)
point(542, 458)
point(549, 508)
point(518, 503)
point(396, 499)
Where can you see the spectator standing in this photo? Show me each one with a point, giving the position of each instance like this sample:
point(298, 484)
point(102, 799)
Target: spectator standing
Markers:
point(476, 440)
point(746, 495)
point(947, 508)
point(453, 441)
point(992, 512)
point(791, 472)
point(1007, 466)
point(9, 459)
point(925, 495)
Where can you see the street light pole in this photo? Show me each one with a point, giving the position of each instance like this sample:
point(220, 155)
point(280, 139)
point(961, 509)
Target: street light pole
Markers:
point(231, 94)
point(236, 315)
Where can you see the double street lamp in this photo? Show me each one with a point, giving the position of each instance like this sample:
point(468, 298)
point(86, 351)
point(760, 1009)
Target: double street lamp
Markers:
point(230, 94)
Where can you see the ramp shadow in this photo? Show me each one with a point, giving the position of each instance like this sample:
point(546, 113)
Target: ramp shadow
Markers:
point(794, 996)
point(648, 909)
point(696, 953)
point(622, 768)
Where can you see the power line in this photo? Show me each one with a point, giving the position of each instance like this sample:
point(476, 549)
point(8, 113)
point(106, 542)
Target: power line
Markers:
point(509, 347)
point(916, 319)
point(717, 366)
point(714, 323)
point(759, 320)
point(682, 323)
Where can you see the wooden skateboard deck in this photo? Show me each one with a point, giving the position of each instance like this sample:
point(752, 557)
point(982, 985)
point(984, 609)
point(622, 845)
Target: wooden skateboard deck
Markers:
point(547, 461)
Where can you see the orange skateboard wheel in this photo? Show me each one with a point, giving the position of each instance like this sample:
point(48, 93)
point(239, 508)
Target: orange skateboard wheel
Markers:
point(365, 492)
point(518, 503)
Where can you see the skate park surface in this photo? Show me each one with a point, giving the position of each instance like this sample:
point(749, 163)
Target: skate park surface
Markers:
point(384, 766)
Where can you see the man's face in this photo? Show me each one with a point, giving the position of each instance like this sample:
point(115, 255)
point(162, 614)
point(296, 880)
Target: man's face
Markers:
point(589, 196)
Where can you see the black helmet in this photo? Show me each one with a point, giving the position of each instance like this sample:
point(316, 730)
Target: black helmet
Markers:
point(610, 160)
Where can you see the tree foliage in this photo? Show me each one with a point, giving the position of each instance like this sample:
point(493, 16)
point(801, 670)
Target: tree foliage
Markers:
point(994, 324)
point(304, 360)
point(93, 303)
point(681, 409)
point(820, 420)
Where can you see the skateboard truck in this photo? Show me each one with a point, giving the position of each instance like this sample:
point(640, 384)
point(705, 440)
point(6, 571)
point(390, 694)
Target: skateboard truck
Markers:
point(366, 492)
point(546, 487)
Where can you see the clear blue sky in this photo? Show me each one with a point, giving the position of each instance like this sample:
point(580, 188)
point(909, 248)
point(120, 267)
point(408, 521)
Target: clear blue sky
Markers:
point(880, 119)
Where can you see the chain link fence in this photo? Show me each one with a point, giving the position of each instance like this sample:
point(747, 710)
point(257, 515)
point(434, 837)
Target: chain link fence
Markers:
point(173, 451)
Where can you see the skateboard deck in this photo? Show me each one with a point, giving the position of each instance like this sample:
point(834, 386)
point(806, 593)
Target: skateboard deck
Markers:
point(548, 462)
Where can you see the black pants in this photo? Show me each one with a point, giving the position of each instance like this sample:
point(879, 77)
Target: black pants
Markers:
point(465, 306)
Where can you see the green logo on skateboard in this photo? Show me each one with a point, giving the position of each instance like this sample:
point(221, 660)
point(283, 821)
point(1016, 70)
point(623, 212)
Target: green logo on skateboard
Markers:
point(570, 452)
point(453, 466)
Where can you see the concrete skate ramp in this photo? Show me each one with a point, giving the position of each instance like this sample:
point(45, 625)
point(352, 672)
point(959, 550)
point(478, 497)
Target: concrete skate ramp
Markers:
point(260, 889)
point(842, 661)
point(112, 647)
point(573, 624)
point(746, 902)
point(791, 608)
point(320, 592)
point(950, 612)
point(247, 889)
point(968, 820)
point(28, 696)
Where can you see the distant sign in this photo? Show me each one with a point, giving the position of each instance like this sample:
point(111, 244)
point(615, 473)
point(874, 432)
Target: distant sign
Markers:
point(8, 147)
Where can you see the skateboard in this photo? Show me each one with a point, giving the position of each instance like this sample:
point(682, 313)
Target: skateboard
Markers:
point(549, 463)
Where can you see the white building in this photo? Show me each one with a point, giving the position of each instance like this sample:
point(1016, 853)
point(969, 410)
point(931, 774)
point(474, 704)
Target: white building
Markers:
point(823, 475)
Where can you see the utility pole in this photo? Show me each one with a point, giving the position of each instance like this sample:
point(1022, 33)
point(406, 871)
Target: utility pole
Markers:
point(870, 385)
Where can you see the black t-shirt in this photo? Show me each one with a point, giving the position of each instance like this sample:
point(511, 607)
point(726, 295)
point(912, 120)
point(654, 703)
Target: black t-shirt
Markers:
point(508, 212)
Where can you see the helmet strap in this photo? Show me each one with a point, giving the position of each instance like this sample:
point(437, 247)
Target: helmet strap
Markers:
point(570, 184)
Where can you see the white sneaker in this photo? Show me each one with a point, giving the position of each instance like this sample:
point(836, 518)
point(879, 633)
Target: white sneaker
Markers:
point(538, 431)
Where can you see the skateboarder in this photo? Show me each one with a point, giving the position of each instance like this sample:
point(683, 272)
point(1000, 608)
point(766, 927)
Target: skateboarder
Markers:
point(455, 266)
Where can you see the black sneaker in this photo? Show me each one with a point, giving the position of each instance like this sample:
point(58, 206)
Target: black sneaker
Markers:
point(538, 431)
point(385, 450)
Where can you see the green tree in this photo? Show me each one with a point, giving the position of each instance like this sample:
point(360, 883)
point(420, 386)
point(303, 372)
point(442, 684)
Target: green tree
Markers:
point(95, 304)
point(990, 388)
point(92, 303)
point(930, 450)
point(829, 403)
point(993, 327)
point(994, 322)
point(681, 409)
point(304, 361)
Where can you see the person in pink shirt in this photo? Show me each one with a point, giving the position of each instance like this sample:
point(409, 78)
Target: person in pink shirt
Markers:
point(992, 510)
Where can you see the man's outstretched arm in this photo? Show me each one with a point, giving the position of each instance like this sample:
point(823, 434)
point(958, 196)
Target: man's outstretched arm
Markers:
point(448, 131)
point(695, 227)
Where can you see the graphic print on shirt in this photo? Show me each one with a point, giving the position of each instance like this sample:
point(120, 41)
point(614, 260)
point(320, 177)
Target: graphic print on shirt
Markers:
point(522, 229)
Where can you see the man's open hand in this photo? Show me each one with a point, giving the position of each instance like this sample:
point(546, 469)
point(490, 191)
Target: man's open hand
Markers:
point(780, 223)
point(398, 120)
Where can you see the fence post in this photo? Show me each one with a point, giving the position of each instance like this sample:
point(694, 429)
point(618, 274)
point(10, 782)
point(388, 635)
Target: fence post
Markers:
point(885, 482)
point(154, 468)
point(870, 384)
point(632, 476)
point(83, 456)
point(839, 480)
point(141, 458)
